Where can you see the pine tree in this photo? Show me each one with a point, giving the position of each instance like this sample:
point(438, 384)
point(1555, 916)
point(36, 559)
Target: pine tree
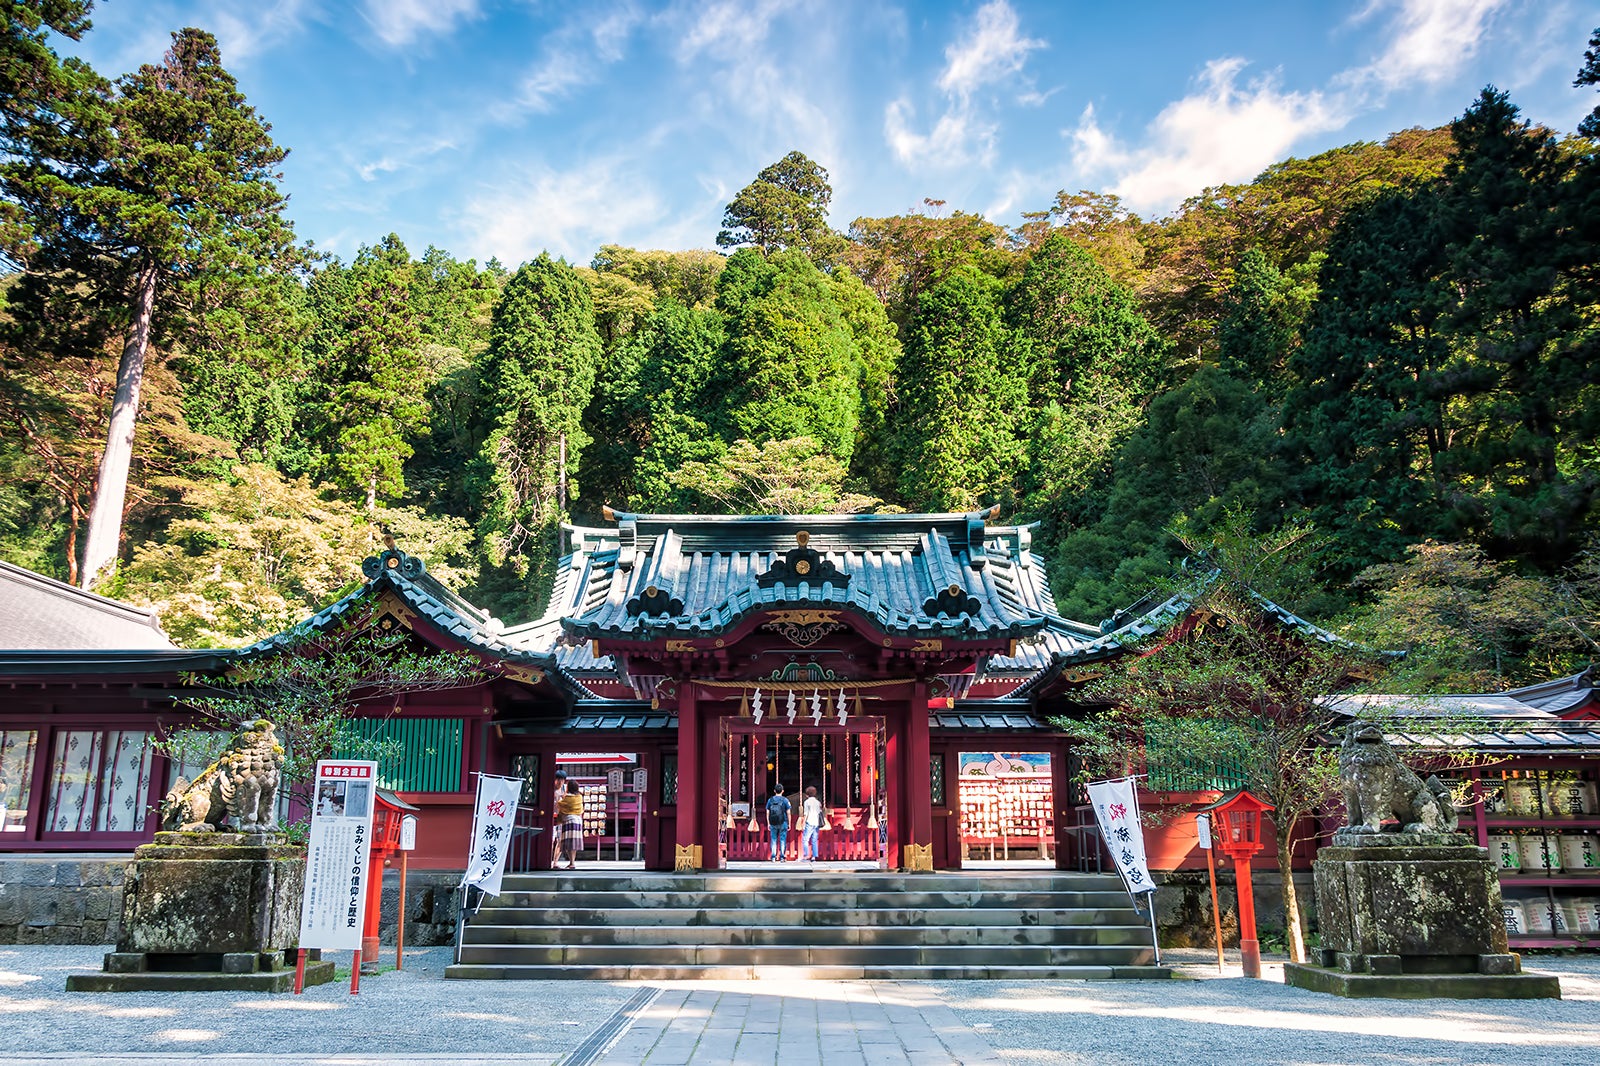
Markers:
point(186, 197)
point(538, 376)
point(961, 392)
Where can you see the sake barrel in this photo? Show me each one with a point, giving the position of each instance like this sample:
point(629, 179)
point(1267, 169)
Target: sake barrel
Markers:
point(1522, 797)
point(1580, 851)
point(1539, 852)
point(1568, 917)
point(1537, 912)
point(1516, 917)
point(1586, 914)
point(1503, 851)
point(1569, 797)
point(1558, 920)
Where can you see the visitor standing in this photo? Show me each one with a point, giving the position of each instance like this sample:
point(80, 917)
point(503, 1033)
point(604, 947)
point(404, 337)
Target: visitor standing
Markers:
point(569, 823)
point(810, 822)
point(778, 823)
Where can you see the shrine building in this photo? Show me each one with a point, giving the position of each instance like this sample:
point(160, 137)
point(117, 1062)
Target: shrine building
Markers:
point(907, 666)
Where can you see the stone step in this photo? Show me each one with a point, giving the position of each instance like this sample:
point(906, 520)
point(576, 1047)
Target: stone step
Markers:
point(479, 934)
point(822, 880)
point(464, 971)
point(948, 955)
point(574, 913)
point(765, 898)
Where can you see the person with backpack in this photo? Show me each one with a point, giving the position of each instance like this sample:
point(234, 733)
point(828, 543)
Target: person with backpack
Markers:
point(778, 823)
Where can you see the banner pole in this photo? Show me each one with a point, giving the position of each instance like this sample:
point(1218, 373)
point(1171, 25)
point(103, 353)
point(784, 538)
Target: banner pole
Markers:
point(1216, 910)
point(355, 973)
point(299, 970)
point(1155, 939)
point(400, 926)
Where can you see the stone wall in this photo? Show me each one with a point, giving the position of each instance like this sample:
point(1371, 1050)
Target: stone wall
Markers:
point(431, 906)
point(1183, 907)
point(61, 901)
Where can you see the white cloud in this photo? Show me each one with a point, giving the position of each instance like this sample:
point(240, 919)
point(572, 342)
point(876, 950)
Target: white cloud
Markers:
point(576, 55)
point(1430, 41)
point(1221, 132)
point(993, 50)
point(766, 69)
point(727, 28)
point(990, 51)
point(957, 137)
point(400, 22)
point(567, 213)
point(244, 33)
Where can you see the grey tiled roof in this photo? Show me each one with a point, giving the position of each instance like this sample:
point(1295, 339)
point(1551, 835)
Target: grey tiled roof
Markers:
point(674, 575)
point(38, 612)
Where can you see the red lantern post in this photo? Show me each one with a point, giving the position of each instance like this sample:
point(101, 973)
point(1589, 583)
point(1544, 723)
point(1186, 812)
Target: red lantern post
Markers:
point(387, 817)
point(1236, 823)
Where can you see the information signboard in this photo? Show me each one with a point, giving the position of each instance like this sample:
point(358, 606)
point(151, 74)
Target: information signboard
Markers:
point(641, 780)
point(332, 908)
point(613, 780)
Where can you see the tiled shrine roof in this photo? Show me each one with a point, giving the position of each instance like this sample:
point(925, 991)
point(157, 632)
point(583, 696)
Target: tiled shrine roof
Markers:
point(950, 575)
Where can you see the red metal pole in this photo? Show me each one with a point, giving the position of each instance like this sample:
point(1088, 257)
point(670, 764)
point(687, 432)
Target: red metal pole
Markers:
point(355, 973)
point(369, 932)
point(299, 970)
point(1249, 948)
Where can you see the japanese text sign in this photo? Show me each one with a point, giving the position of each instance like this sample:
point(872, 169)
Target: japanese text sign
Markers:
point(332, 908)
point(492, 822)
point(1116, 808)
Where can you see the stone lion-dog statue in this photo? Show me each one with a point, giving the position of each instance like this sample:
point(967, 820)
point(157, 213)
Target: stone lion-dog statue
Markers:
point(1378, 786)
point(242, 785)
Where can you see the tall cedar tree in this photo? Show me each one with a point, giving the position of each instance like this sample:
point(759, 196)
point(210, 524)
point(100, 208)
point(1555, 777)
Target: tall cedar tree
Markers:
point(188, 192)
point(369, 383)
point(53, 121)
point(792, 363)
point(961, 393)
point(538, 376)
point(785, 207)
point(1443, 388)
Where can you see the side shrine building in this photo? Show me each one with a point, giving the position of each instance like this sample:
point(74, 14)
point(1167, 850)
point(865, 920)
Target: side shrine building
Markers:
point(906, 666)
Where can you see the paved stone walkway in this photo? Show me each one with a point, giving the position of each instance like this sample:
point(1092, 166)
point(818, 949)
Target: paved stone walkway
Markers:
point(799, 1023)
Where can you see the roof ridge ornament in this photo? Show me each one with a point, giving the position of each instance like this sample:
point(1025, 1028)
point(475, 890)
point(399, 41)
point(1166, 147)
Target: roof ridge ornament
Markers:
point(392, 560)
point(803, 563)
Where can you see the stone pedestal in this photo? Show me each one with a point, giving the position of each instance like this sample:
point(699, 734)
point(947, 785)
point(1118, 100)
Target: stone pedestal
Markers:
point(1413, 916)
point(208, 911)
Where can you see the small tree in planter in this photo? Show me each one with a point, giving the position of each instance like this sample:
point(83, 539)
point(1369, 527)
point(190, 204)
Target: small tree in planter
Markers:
point(309, 685)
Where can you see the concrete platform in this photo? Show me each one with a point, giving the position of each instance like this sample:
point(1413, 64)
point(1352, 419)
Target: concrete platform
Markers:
point(317, 973)
point(1421, 985)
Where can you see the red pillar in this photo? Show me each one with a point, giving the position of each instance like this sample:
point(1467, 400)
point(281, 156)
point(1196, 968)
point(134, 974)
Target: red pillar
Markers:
point(688, 780)
point(918, 788)
point(1249, 947)
point(894, 752)
point(706, 817)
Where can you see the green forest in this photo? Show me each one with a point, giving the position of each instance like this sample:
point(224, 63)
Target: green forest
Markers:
point(1396, 343)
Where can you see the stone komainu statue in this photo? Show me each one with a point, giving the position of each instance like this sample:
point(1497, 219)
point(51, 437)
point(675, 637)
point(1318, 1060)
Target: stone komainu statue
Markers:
point(1377, 785)
point(242, 785)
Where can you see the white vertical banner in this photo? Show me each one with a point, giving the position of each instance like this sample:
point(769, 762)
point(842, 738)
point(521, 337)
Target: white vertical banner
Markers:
point(493, 815)
point(333, 908)
point(1116, 808)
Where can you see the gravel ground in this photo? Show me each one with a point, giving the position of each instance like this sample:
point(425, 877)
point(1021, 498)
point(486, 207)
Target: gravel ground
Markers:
point(399, 1015)
point(1200, 1017)
point(415, 1016)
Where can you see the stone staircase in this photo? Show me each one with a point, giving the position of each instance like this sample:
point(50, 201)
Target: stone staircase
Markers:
point(822, 925)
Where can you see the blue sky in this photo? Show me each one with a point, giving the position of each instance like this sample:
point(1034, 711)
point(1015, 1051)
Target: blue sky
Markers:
point(507, 127)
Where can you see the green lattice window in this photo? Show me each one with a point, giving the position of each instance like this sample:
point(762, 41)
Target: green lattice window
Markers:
point(1178, 761)
point(429, 758)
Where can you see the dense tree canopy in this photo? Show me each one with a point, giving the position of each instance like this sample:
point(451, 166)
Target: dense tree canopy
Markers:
point(1395, 341)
